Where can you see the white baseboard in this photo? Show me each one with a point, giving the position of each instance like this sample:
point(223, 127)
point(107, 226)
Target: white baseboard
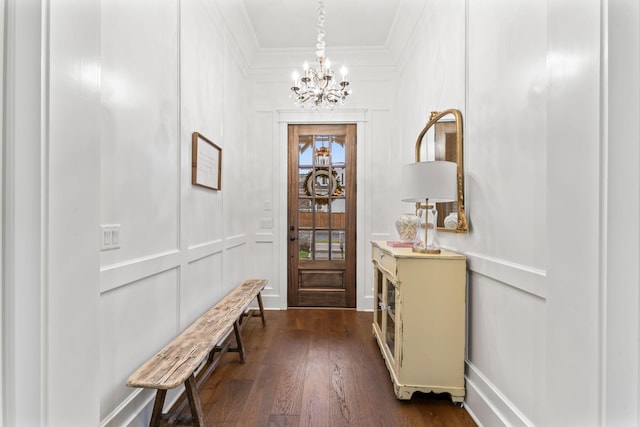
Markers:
point(130, 409)
point(487, 405)
point(135, 410)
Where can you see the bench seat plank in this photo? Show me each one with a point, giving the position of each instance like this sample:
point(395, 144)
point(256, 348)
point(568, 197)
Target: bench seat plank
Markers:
point(173, 365)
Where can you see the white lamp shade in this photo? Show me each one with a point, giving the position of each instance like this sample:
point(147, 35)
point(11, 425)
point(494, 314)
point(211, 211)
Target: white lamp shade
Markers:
point(436, 181)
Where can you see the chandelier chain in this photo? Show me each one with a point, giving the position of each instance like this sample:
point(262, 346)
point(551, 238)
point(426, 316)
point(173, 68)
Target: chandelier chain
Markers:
point(317, 88)
point(320, 46)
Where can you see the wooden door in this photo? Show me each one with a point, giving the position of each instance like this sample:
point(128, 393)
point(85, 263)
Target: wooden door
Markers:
point(322, 216)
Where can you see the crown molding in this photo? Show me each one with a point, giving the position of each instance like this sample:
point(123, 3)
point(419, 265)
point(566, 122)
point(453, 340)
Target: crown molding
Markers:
point(259, 60)
point(239, 32)
point(402, 36)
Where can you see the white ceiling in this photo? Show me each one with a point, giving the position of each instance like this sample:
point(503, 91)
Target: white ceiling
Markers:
point(285, 24)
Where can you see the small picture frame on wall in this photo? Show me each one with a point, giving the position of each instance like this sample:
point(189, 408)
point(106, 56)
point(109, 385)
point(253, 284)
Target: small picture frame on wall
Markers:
point(206, 170)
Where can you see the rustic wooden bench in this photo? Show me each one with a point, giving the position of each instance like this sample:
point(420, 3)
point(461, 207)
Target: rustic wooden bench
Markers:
point(194, 350)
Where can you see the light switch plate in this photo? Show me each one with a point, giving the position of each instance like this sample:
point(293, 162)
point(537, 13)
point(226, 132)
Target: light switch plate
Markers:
point(109, 237)
point(266, 223)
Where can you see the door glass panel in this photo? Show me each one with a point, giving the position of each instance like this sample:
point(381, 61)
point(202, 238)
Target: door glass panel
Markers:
point(305, 212)
point(339, 176)
point(324, 184)
point(391, 311)
point(337, 213)
point(321, 205)
point(305, 151)
point(337, 244)
point(379, 309)
point(322, 150)
point(337, 206)
point(391, 335)
point(391, 300)
point(321, 251)
point(337, 151)
point(304, 188)
point(305, 238)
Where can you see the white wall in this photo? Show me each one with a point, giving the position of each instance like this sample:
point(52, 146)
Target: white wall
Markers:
point(52, 171)
point(378, 152)
point(71, 210)
point(505, 154)
point(21, 222)
point(104, 98)
point(575, 165)
point(551, 161)
point(621, 302)
point(2, 203)
point(168, 69)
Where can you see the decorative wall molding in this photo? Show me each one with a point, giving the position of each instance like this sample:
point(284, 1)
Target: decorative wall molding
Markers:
point(361, 59)
point(527, 279)
point(239, 36)
point(402, 38)
point(258, 59)
point(237, 240)
point(484, 401)
point(115, 275)
point(344, 115)
point(203, 250)
point(263, 238)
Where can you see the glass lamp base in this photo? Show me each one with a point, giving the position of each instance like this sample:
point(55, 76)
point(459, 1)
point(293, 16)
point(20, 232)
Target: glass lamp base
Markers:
point(426, 241)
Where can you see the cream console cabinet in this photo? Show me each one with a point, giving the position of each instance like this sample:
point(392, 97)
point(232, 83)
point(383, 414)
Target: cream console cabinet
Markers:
point(419, 319)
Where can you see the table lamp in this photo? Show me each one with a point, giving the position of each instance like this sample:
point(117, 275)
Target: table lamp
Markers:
point(428, 182)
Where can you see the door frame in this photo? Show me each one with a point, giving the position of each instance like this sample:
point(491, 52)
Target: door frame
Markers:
point(359, 117)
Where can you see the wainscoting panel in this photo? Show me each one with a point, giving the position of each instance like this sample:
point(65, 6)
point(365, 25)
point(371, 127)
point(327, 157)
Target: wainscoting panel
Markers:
point(136, 321)
point(263, 260)
point(236, 265)
point(202, 286)
point(506, 349)
point(485, 402)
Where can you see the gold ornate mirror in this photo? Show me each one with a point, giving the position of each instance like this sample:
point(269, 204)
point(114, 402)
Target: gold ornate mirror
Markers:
point(441, 139)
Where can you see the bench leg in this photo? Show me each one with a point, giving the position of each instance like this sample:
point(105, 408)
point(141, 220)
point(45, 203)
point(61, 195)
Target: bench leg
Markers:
point(264, 323)
point(236, 330)
point(156, 415)
point(194, 401)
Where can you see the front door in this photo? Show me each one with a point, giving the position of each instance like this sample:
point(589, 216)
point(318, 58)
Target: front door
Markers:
point(322, 216)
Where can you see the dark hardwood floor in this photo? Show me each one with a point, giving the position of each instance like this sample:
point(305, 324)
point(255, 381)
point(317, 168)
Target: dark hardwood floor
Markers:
point(315, 367)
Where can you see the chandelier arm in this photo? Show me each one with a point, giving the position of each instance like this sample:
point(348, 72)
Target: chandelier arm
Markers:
point(327, 81)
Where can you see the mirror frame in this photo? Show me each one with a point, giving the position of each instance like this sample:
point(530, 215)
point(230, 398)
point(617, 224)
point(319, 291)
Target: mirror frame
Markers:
point(433, 119)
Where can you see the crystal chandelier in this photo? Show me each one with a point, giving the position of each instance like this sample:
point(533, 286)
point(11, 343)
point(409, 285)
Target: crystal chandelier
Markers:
point(317, 88)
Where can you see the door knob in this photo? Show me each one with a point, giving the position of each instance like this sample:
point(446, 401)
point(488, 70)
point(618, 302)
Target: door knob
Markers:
point(292, 238)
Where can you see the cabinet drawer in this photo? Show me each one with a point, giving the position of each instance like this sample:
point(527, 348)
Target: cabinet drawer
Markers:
point(385, 260)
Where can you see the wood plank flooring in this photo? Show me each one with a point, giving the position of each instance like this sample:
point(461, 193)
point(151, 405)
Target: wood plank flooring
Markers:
point(315, 367)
